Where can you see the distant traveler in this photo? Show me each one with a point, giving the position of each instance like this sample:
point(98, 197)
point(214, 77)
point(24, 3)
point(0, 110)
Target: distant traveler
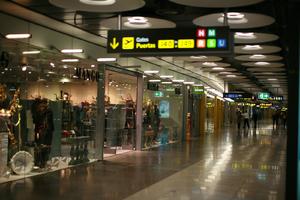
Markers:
point(246, 119)
point(255, 117)
point(275, 117)
point(239, 117)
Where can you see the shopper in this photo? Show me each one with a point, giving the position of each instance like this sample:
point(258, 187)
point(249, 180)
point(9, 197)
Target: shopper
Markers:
point(275, 117)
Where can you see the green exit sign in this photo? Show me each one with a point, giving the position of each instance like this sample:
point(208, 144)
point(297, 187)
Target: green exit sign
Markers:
point(198, 90)
point(263, 95)
point(158, 94)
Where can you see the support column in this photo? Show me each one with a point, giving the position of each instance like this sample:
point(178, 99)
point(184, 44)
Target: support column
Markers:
point(100, 123)
point(202, 114)
point(139, 112)
point(185, 110)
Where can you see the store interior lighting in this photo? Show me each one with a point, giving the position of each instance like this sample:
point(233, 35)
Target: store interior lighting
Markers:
point(70, 60)
point(72, 51)
point(31, 52)
point(151, 72)
point(106, 59)
point(18, 36)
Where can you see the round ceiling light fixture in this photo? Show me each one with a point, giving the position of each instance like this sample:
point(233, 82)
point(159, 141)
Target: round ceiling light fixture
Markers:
point(247, 36)
point(216, 3)
point(252, 47)
point(258, 56)
point(233, 18)
point(218, 68)
point(137, 22)
point(103, 6)
point(262, 63)
point(98, 2)
point(210, 64)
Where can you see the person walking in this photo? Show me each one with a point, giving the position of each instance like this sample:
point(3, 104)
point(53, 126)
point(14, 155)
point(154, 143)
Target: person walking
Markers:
point(255, 117)
point(239, 118)
point(246, 119)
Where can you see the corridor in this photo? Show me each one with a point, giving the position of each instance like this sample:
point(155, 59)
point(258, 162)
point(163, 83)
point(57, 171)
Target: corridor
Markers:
point(228, 165)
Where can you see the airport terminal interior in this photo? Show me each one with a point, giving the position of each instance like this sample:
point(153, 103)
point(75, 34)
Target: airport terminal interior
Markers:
point(149, 99)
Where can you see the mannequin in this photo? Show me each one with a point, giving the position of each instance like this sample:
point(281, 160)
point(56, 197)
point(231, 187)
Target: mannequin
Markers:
point(44, 127)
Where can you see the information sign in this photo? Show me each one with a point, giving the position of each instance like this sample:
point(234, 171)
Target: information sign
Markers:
point(195, 41)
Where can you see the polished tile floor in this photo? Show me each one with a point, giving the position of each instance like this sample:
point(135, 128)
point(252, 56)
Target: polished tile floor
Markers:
point(228, 165)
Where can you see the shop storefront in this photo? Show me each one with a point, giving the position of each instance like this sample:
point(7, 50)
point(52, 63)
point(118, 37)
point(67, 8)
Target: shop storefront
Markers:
point(162, 114)
point(120, 112)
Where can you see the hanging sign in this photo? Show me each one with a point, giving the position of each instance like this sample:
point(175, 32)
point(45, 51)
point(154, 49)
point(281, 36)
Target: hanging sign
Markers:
point(198, 90)
point(263, 96)
point(195, 41)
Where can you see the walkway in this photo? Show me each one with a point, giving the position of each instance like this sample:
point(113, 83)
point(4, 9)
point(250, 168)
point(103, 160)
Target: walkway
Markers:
point(224, 166)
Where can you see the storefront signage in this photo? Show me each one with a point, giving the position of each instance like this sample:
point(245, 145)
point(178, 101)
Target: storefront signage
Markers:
point(276, 98)
point(198, 90)
point(170, 89)
point(152, 86)
point(263, 96)
point(158, 94)
point(86, 74)
point(235, 95)
point(210, 40)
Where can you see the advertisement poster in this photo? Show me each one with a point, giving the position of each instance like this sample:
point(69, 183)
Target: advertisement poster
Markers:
point(164, 109)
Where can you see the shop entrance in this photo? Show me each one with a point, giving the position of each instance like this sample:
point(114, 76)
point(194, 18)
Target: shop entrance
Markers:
point(120, 113)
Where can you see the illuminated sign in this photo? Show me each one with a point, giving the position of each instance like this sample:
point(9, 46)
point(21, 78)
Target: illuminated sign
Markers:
point(209, 40)
point(198, 90)
point(164, 109)
point(152, 86)
point(276, 98)
point(158, 94)
point(263, 96)
point(237, 95)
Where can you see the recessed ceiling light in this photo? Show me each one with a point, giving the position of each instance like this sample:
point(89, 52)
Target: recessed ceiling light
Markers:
point(211, 64)
point(231, 76)
point(166, 82)
point(257, 56)
point(65, 67)
point(151, 72)
point(240, 35)
point(92, 66)
point(198, 57)
point(166, 76)
point(262, 63)
point(70, 60)
point(72, 51)
point(106, 59)
point(218, 68)
point(252, 47)
point(30, 52)
point(51, 72)
point(137, 22)
point(18, 36)
point(234, 18)
point(224, 73)
point(235, 15)
point(272, 79)
point(29, 72)
point(65, 80)
point(98, 2)
point(154, 81)
point(52, 64)
point(178, 81)
point(24, 68)
point(188, 82)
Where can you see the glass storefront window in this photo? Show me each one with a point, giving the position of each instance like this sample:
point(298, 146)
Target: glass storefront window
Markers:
point(162, 116)
point(120, 113)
